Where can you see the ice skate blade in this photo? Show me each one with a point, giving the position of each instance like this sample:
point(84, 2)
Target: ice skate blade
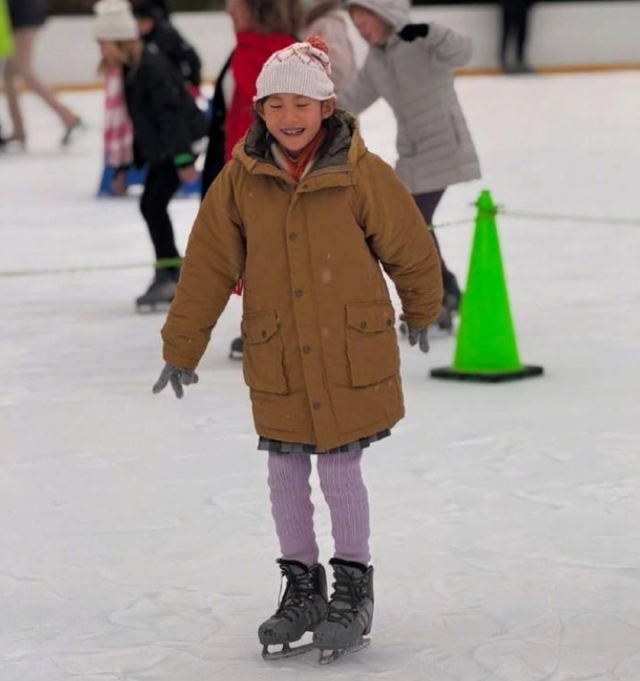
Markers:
point(330, 656)
point(151, 308)
point(287, 651)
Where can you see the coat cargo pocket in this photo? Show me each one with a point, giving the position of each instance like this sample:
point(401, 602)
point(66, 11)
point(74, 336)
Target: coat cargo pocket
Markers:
point(372, 347)
point(263, 355)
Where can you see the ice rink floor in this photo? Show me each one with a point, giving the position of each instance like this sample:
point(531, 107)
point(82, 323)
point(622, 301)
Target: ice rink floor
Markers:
point(136, 542)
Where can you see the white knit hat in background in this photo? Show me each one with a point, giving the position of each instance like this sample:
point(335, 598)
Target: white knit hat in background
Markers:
point(114, 21)
point(300, 69)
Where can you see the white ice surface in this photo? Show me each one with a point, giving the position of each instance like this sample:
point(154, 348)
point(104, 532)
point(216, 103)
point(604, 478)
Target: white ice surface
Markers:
point(136, 542)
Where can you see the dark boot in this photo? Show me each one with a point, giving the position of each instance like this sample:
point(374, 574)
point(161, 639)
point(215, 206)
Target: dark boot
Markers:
point(237, 348)
point(161, 291)
point(302, 608)
point(350, 610)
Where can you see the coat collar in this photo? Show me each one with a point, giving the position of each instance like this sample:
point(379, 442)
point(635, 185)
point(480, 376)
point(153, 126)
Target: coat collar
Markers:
point(335, 163)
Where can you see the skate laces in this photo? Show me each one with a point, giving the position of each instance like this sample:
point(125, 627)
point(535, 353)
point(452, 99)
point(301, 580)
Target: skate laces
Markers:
point(299, 591)
point(348, 592)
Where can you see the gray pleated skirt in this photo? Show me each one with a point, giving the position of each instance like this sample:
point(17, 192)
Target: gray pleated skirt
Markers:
point(279, 447)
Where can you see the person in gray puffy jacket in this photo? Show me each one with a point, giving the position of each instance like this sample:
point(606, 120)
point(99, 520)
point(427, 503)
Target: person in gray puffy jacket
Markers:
point(411, 67)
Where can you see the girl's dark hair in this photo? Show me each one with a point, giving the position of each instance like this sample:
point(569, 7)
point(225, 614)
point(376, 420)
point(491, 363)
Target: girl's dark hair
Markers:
point(275, 16)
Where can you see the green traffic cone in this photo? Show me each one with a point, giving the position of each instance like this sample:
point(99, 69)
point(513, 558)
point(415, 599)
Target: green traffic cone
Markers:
point(486, 349)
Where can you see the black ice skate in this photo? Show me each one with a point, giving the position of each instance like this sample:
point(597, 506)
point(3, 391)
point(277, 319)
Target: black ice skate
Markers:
point(237, 348)
point(450, 302)
point(302, 608)
point(161, 291)
point(350, 612)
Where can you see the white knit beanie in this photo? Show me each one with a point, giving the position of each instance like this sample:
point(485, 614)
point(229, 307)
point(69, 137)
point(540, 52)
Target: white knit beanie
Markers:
point(300, 69)
point(114, 21)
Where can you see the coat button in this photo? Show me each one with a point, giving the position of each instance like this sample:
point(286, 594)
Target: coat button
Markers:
point(316, 406)
point(264, 334)
point(306, 349)
point(298, 293)
point(293, 236)
point(389, 322)
point(363, 325)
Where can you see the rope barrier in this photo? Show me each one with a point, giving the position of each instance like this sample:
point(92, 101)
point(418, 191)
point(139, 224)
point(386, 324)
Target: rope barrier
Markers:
point(176, 262)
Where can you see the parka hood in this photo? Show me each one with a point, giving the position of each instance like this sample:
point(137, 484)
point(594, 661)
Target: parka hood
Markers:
point(344, 145)
point(394, 12)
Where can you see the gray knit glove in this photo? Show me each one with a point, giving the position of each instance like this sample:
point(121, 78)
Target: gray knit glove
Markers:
point(177, 377)
point(420, 336)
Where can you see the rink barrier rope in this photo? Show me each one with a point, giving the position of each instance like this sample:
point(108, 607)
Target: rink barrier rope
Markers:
point(176, 262)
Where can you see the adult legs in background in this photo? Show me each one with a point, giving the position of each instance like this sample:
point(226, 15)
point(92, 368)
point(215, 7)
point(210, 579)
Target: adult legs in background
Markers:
point(346, 495)
point(522, 32)
point(161, 184)
point(515, 14)
point(506, 7)
point(21, 64)
point(291, 506)
point(427, 203)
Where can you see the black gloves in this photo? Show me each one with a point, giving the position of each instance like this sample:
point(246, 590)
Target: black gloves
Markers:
point(412, 32)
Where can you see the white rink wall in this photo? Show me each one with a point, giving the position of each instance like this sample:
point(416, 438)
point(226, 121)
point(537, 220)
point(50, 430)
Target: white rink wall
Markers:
point(564, 34)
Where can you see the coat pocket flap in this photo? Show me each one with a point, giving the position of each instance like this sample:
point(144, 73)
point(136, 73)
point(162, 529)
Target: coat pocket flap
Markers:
point(371, 317)
point(258, 327)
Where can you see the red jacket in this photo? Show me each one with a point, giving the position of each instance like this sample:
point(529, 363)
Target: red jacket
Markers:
point(252, 51)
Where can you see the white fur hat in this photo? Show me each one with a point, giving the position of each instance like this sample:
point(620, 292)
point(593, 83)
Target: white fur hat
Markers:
point(114, 21)
point(300, 69)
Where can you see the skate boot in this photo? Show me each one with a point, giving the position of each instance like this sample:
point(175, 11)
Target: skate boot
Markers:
point(237, 348)
point(350, 612)
point(450, 302)
point(161, 291)
point(302, 608)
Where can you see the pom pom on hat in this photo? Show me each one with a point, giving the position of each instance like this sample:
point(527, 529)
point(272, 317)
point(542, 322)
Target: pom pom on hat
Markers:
point(114, 21)
point(317, 42)
point(300, 69)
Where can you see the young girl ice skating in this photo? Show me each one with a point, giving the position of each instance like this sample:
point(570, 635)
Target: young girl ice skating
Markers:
point(306, 216)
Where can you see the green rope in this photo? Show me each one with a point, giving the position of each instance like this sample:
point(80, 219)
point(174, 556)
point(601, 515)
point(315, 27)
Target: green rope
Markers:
point(160, 264)
point(177, 262)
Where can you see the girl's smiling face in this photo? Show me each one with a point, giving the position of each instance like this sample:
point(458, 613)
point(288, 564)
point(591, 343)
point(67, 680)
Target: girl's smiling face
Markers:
point(294, 120)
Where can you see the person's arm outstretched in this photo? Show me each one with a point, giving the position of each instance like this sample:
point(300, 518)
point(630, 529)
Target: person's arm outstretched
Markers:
point(443, 46)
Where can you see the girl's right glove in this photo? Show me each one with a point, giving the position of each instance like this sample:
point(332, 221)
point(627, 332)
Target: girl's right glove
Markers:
point(177, 377)
point(419, 337)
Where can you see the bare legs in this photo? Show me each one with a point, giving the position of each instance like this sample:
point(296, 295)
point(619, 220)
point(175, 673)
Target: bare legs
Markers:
point(21, 64)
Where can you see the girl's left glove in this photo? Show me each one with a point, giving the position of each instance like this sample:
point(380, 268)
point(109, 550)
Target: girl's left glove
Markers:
point(177, 377)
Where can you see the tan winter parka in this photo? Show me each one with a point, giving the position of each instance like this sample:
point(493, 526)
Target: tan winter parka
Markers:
point(320, 350)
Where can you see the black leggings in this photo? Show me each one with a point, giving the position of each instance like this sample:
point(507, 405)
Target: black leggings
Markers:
point(515, 15)
point(427, 203)
point(162, 183)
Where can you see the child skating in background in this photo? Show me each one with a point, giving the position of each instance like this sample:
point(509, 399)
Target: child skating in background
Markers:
point(411, 67)
point(309, 218)
point(166, 125)
point(325, 19)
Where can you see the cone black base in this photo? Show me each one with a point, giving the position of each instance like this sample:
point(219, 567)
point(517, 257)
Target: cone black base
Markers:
point(448, 373)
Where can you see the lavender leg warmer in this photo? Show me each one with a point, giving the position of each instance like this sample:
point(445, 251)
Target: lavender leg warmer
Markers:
point(291, 506)
point(345, 492)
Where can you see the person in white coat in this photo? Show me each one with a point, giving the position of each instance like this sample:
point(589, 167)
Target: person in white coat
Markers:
point(411, 67)
point(324, 18)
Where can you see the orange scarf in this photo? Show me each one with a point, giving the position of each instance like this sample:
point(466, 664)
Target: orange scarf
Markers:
point(299, 167)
